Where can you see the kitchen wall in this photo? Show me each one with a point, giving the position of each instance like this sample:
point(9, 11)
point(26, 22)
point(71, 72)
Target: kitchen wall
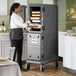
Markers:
point(35, 1)
point(6, 17)
point(71, 14)
point(62, 15)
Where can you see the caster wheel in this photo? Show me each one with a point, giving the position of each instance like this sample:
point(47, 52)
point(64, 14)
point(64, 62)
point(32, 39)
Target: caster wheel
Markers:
point(27, 66)
point(42, 68)
point(56, 64)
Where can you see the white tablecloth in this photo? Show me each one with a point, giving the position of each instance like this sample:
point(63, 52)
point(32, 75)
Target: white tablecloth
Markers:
point(9, 69)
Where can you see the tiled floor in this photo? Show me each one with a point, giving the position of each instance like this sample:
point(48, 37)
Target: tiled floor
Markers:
point(49, 71)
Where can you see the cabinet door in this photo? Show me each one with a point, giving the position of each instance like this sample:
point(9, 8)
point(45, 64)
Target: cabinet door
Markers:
point(0, 48)
point(5, 48)
point(33, 47)
point(24, 47)
point(61, 44)
point(73, 57)
point(67, 53)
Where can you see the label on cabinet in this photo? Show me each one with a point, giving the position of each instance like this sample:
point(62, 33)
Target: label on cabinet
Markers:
point(34, 41)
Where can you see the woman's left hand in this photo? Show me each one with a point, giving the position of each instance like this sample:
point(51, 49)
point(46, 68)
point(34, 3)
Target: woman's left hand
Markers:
point(35, 27)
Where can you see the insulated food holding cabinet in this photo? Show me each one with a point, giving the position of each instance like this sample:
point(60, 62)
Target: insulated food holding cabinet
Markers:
point(42, 42)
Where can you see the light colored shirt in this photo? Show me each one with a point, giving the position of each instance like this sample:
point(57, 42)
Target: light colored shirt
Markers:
point(16, 21)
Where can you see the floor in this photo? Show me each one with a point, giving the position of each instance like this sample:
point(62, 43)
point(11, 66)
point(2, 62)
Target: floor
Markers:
point(49, 71)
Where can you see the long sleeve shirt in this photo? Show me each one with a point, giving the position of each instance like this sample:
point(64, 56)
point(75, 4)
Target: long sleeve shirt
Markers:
point(16, 21)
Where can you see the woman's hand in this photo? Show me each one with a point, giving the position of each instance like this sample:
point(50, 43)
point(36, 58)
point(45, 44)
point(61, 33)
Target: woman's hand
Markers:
point(35, 27)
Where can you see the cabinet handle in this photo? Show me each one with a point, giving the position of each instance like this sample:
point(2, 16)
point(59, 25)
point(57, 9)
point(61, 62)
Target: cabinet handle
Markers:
point(43, 28)
point(38, 57)
point(42, 37)
point(43, 9)
point(30, 35)
point(38, 37)
point(30, 56)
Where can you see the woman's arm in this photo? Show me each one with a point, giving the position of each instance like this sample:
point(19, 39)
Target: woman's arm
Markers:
point(18, 22)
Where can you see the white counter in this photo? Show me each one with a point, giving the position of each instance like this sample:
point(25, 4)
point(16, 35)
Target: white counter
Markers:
point(61, 47)
point(5, 43)
point(4, 36)
point(69, 58)
point(67, 50)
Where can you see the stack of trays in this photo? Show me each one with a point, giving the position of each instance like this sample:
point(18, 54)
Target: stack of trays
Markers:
point(36, 17)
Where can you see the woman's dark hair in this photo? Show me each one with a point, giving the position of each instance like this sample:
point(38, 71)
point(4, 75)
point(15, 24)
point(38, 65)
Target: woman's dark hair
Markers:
point(12, 9)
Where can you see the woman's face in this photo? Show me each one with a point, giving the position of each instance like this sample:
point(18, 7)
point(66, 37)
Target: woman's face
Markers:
point(18, 10)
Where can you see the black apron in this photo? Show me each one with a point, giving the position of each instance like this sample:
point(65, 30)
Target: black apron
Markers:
point(16, 34)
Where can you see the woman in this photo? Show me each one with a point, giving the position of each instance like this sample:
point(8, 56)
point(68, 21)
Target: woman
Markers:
point(16, 33)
